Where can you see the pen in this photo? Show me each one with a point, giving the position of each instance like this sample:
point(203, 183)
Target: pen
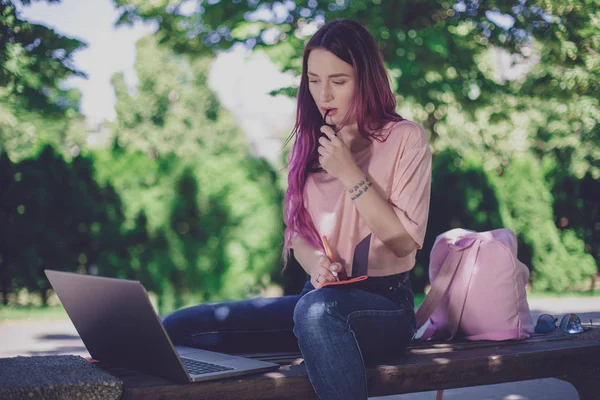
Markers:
point(329, 255)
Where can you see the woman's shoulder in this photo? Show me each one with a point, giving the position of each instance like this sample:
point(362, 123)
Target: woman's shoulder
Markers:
point(406, 134)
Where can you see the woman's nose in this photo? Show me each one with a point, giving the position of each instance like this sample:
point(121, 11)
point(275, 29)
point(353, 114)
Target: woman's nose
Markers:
point(326, 94)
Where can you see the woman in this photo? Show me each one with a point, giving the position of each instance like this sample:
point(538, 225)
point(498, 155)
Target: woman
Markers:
point(359, 175)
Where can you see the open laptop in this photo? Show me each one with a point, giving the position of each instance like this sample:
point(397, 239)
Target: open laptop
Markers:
point(119, 326)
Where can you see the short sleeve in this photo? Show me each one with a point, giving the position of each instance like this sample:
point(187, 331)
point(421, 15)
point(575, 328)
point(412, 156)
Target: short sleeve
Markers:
point(411, 184)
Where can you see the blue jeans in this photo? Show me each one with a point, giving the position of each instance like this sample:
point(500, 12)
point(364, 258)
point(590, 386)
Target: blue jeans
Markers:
point(338, 329)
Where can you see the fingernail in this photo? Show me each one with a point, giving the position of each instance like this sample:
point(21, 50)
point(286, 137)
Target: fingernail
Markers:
point(334, 274)
point(334, 267)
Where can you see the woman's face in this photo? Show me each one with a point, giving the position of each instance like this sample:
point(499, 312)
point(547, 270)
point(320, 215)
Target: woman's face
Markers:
point(331, 82)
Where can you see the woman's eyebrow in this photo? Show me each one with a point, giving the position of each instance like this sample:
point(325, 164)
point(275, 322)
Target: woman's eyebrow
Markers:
point(332, 75)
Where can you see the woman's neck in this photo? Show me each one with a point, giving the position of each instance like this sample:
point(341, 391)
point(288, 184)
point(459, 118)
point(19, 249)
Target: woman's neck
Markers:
point(353, 139)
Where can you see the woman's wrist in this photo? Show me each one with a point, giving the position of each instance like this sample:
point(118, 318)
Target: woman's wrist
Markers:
point(308, 256)
point(362, 184)
point(318, 263)
point(353, 178)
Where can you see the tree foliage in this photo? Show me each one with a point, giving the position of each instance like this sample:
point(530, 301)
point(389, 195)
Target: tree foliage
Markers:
point(509, 91)
point(52, 216)
point(35, 110)
point(182, 161)
point(176, 202)
point(505, 84)
point(34, 60)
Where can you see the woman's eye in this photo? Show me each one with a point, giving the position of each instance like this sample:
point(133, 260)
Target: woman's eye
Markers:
point(339, 83)
point(313, 81)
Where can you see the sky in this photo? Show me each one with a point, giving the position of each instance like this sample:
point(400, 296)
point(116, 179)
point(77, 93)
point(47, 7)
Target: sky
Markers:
point(241, 83)
point(110, 50)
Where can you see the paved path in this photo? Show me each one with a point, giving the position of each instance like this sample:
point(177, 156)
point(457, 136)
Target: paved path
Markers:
point(30, 338)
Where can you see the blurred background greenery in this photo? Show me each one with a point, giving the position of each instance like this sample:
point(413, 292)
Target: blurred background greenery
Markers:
point(509, 92)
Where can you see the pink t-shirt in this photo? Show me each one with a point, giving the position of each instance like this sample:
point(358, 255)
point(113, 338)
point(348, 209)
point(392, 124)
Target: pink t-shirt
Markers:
point(400, 169)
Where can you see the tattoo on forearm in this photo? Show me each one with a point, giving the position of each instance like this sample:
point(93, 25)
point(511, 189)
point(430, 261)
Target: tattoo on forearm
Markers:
point(360, 188)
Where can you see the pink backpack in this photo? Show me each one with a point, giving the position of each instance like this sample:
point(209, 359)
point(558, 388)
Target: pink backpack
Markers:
point(477, 288)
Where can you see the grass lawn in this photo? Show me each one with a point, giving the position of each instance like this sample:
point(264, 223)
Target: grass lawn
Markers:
point(32, 313)
point(419, 297)
point(54, 313)
point(552, 295)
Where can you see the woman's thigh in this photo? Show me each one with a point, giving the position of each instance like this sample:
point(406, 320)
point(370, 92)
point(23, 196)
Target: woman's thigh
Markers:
point(252, 325)
point(380, 315)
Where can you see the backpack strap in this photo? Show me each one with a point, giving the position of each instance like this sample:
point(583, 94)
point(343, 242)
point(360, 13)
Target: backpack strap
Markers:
point(462, 282)
point(439, 287)
point(443, 281)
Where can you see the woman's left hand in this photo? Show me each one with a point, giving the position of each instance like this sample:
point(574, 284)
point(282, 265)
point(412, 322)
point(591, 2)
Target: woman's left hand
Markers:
point(335, 157)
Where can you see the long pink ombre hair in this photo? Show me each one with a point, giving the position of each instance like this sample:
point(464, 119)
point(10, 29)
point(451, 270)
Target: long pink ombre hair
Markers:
point(373, 104)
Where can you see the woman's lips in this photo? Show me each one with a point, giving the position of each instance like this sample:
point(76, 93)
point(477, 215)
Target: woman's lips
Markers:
point(332, 112)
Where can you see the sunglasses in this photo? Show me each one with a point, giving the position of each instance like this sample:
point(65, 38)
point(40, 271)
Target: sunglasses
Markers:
point(570, 323)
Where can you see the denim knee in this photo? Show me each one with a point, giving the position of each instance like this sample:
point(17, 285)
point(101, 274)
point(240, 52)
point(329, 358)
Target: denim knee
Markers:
point(316, 311)
point(176, 326)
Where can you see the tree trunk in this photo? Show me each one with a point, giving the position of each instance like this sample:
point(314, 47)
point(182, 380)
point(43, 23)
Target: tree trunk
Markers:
point(44, 295)
point(4, 280)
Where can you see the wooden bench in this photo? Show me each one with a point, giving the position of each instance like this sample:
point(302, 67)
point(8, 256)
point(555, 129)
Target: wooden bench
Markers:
point(426, 367)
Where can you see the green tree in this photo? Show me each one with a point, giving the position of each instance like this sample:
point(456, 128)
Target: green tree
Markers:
point(52, 216)
point(8, 227)
point(25, 132)
point(34, 60)
point(577, 207)
point(180, 159)
point(462, 196)
point(559, 258)
point(34, 109)
point(442, 57)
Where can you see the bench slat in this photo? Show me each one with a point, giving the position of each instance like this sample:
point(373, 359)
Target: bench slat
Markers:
point(425, 368)
point(477, 367)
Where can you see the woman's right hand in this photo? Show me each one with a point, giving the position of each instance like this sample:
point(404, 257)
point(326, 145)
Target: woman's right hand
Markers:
point(324, 272)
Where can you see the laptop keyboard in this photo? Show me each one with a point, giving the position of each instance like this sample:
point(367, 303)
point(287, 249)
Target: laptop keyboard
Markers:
point(195, 367)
